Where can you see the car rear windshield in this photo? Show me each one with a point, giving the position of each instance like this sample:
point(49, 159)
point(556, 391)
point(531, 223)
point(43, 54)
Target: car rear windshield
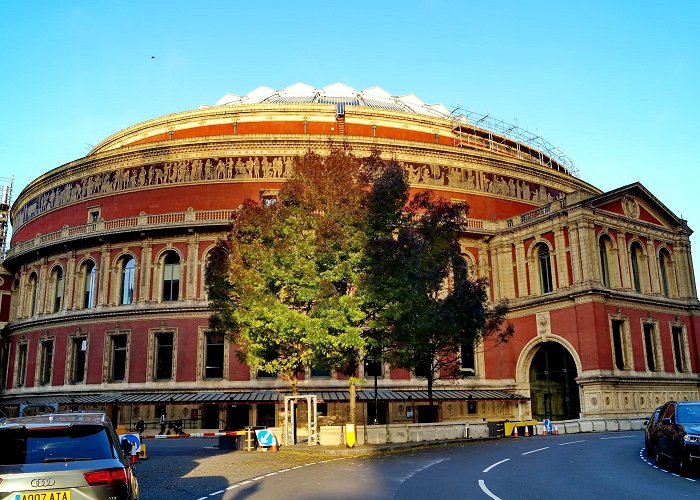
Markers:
point(688, 413)
point(63, 444)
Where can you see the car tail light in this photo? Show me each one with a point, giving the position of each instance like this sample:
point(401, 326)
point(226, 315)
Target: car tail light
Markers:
point(108, 476)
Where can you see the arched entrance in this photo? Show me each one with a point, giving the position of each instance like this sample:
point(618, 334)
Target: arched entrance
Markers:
point(553, 389)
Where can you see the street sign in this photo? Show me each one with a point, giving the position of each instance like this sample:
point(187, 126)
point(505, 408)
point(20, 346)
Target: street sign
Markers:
point(134, 439)
point(548, 425)
point(265, 437)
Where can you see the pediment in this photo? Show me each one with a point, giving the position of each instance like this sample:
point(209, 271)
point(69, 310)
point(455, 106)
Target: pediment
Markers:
point(636, 203)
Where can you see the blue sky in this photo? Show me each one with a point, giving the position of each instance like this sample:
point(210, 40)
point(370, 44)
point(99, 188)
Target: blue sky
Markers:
point(613, 84)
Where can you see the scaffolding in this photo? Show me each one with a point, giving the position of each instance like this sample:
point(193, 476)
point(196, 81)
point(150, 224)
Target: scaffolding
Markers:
point(471, 129)
point(5, 202)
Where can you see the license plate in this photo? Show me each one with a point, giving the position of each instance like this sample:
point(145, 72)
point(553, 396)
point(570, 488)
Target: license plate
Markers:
point(44, 495)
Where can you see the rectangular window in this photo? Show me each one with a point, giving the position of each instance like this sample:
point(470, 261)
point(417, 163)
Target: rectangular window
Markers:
point(617, 344)
point(468, 367)
point(214, 356)
point(46, 362)
point(471, 407)
point(21, 365)
point(79, 346)
point(164, 355)
point(373, 368)
point(649, 346)
point(679, 343)
point(93, 215)
point(422, 370)
point(320, 372)
point(119, 346)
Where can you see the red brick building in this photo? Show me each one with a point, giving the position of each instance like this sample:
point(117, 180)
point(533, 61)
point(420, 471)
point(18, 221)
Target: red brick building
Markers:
point(105, 269)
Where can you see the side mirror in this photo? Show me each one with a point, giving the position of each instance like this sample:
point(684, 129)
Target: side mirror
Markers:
point(666, 421)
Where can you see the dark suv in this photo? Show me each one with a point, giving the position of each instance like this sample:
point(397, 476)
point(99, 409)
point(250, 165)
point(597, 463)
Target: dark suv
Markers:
point(63, 456)
point(676, 436)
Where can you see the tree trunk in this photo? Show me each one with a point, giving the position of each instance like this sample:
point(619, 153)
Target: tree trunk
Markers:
point(353, 402)
point(430, 398)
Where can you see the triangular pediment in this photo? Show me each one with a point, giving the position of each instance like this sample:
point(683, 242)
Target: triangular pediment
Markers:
point(634, 202)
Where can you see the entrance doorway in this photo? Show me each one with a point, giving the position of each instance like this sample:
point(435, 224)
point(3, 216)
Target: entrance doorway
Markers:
point(237, 417)
point(553, 389)
point(210, 417)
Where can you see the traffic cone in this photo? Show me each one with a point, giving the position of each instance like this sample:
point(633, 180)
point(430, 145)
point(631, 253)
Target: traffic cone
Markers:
point(544, 430)
point(142, 452)
point(527, 432)
point(134, 456)
point(274, 447)
point(556, 430)
point(515, 431)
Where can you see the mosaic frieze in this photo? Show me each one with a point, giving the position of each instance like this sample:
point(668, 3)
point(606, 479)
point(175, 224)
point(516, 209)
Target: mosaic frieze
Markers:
point(188, 171)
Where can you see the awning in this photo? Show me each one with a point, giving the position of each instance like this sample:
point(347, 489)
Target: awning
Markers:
point(340, 396)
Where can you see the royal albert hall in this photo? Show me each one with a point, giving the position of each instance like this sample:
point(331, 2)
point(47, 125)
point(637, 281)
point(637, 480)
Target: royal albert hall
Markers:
point(107, 306)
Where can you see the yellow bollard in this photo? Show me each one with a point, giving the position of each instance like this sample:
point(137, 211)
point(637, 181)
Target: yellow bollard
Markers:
point(350, 435)
point(142, 452)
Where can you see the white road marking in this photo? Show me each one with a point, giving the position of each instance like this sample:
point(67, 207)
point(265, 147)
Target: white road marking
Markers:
point(216, 493)
point(297, 467)
point(494, 465)
point(202, 498)
point(572, 442)
point(284, 470)
point(245, 482)
point(233, 486)
point(420, 469)
point(257, 478)
point(483, 487)
point(271, 474)
point(535, 451)
point(615, 437)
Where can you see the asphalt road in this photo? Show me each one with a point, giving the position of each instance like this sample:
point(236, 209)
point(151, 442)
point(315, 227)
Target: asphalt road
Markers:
point(576, 466)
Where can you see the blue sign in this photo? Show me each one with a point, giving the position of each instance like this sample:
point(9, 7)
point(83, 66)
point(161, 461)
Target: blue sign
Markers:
point(134, 439)
point(265, 437)
point(548, 425)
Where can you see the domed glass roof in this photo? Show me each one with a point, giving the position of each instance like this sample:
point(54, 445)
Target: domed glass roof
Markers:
point(337, 93)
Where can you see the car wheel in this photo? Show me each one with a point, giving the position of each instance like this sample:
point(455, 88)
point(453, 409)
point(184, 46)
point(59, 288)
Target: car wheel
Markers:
point(684, 465)
point(658, 458)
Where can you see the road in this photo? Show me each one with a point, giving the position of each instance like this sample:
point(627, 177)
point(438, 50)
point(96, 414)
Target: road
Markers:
point(577, 466)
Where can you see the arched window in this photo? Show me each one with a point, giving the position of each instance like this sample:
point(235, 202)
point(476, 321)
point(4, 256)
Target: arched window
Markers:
point(171, 276)
point(57, 279)
point(603, 245)
point(545, 267)
point(89, 271)
point(126, 288)
point(33, 293)
point(635, 256)
point(664, 267)
point(460, 270)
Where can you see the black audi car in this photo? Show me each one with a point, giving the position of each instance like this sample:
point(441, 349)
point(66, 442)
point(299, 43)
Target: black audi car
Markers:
point(676, 436)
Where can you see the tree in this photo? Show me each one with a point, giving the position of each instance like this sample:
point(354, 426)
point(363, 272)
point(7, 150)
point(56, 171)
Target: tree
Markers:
point(283, 285)
point(421, 303)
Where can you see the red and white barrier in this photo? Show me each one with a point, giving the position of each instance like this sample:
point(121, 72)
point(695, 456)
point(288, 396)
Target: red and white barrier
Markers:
point(194, 435)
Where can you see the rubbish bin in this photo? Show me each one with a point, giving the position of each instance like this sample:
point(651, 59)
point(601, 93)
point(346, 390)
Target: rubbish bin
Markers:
point(228, 443)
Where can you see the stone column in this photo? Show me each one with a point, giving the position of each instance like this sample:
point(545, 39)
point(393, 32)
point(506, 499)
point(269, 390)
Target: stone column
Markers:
point(503, 277)
point(626, 275)
point(560, 252)
point(69, 281)
point(520, 265)
point(575, 251)
point(654, 277)
point(42, 286)
point(192, 269)
point(105, 271)
point(145, 271)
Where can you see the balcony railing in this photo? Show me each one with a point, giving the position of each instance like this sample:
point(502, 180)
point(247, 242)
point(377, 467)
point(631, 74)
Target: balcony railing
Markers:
point(105, 227)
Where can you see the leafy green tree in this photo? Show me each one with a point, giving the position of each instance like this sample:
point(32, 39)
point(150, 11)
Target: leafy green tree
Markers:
point(283, 285)
point(421, 304)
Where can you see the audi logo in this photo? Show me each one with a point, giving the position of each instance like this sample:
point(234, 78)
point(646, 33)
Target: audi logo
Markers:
point(43, 482)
